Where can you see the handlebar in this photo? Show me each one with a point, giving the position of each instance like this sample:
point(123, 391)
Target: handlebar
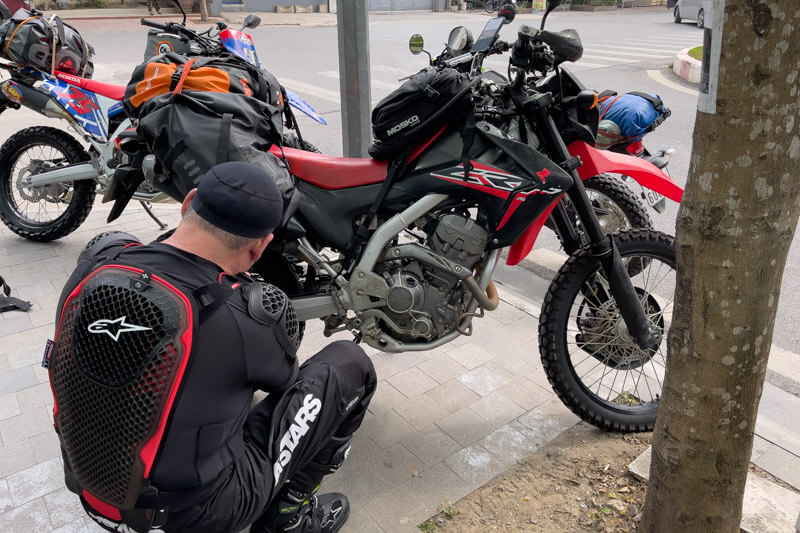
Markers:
point(156, 25)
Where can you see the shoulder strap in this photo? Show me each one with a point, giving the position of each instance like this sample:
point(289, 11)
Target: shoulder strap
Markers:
point(656, 101)
point(210, 297)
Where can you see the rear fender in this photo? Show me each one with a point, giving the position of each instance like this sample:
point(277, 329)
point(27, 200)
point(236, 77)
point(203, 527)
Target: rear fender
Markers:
point(523, 245)
point(594, 162)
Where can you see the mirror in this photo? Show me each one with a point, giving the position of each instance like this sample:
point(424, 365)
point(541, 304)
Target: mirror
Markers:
point(251, 21)
point(416, 43)
point(508, 12)
point(180, 8)
point(460, 39)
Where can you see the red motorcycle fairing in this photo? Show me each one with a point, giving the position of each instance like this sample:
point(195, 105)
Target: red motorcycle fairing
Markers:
point(594, 162)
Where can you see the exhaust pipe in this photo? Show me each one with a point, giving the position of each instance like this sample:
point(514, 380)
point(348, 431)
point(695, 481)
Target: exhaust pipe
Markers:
point(33, 98)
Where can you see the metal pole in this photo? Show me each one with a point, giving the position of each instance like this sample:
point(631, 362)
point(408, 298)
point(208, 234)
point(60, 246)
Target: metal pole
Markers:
point(354, 79)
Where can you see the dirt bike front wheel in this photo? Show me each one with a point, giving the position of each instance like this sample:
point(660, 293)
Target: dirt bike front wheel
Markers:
point(46, 212)
point(592, 362)
point(491, 6)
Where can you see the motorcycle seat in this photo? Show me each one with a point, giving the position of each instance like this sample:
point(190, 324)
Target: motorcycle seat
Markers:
point(115, 92)
point(330, 172)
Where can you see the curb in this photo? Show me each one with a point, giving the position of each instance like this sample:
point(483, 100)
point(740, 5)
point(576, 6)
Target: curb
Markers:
point(687, 67)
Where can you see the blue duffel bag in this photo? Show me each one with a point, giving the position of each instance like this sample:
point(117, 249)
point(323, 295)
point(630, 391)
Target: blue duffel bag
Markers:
point(635, 113)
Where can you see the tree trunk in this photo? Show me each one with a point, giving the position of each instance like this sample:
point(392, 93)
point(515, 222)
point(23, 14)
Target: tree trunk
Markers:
point(734, 228)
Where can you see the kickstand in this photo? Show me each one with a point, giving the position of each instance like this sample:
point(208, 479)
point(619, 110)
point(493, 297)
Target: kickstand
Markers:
point(149, 211)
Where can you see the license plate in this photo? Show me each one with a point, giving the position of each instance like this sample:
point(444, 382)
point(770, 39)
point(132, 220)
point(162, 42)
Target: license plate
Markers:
point(655, 200)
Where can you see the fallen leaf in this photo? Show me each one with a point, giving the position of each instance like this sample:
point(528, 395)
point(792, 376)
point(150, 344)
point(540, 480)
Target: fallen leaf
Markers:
point(414, 473)
point(625, 489)
point(612, 495)
point(526, 498)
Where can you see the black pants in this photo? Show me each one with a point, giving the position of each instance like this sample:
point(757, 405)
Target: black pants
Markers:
point(283, 434)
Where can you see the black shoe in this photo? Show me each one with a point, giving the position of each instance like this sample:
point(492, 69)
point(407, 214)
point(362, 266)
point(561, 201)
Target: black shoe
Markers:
point(325, 513)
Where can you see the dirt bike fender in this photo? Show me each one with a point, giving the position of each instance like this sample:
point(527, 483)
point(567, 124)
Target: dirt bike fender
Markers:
point(648, 175)
point(523, 245)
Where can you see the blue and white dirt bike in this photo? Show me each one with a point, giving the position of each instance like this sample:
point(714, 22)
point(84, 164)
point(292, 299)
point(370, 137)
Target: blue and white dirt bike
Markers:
point(48, 179)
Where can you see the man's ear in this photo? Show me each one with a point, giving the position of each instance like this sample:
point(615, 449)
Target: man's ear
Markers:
point(259, 246)
point(187, 201)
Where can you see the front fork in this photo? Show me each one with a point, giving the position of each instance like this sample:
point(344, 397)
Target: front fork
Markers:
point(602, 246)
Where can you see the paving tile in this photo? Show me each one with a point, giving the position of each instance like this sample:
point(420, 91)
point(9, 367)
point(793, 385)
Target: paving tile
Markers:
point(471, 356)
point(475, 465)
point(483, 380)
point(395, 465)
point(14, 324)
point(26, 357)
point(64, 507)
point(6, 504)
point(36, 481)
point(781, 464)
point(82, 525)
point(45, 446)
point(508, 445)
point(37, 337)
point(14, 380)
point(439, 487)
point(513, 367)
point(538, 428)
point(358, 481)
point(360, 522)
point(760, 445)
point(526, 393)
point(385, 398)
point(9, 406)
point(399, 361)
point(412, 382)
point(16, 457)
point(497, 409)
point(465, 426)
point(453, 395)
point(29, 518)
point(420, 411)
point(497, 345)
point(26, 425)
point(521, 331)
point(386, 428)
point(431, 445)
point(41, 373)
point(37, 396)
point(508, 314)
point(394, 511)
point(555, 410)
point(442, 368)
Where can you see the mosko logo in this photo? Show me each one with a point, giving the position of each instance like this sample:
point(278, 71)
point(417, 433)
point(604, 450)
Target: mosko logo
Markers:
point(114, 328)
point(407, 123)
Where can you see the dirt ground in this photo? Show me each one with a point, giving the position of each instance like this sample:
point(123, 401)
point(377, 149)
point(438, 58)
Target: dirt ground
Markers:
point(579, 482)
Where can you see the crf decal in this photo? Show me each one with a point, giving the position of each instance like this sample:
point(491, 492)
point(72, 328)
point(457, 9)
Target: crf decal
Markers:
point(78, 100)
point(114, 328)
point(486, 176)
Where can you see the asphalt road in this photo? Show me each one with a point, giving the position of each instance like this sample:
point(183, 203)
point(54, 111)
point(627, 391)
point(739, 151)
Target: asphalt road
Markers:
point(625, 50)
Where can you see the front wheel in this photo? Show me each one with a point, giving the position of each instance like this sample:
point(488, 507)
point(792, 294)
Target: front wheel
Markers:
point(616, 206)
point(701, 19)
point(591, 360)
point(491, 6)
point(46, 212)
point(676, 16)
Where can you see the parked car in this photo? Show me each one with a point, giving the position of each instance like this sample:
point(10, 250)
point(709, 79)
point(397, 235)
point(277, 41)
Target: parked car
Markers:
point(696, 10)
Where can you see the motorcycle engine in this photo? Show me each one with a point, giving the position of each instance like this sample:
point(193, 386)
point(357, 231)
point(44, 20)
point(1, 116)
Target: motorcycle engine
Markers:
point(424, 302)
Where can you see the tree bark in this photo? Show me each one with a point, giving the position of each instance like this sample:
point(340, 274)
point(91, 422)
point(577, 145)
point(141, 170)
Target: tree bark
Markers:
point(735, 224)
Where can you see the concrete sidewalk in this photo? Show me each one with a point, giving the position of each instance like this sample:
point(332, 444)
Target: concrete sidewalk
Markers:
point(442, 423)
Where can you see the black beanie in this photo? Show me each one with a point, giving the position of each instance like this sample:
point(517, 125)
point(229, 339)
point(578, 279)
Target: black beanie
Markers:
point(239, 198)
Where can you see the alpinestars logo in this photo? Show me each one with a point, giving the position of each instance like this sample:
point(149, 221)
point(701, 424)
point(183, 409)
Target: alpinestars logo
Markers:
point(114, 328)
point(407, 123)
point(305, 416)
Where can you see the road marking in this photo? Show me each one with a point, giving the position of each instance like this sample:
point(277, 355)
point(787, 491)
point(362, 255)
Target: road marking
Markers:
point(313, 90)
point(611, 58)
point(374, 83)
point(591, 65)
point(388, 70)
point(634, 54)
point(628, 47)
point(654, 41)
point(663, 80)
